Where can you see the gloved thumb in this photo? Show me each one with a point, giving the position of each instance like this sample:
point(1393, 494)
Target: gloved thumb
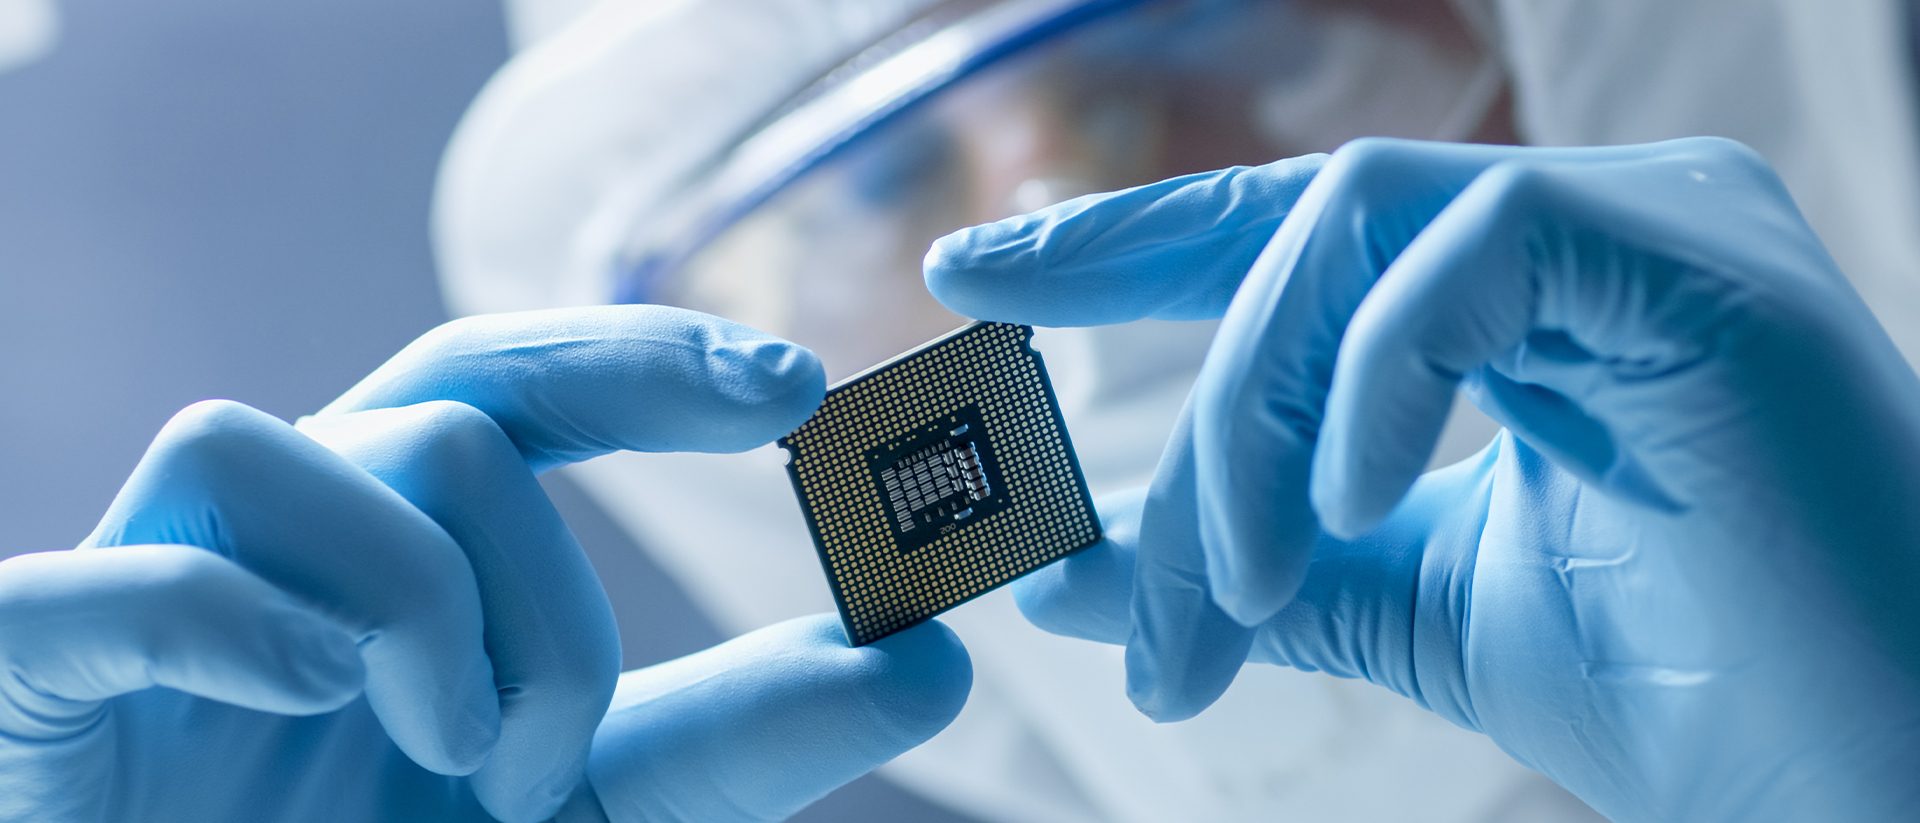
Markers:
point(1089, 594)
point(757, 728)
point(1355, 615)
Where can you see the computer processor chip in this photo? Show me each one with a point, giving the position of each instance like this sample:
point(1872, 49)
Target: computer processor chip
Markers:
point(938, 476)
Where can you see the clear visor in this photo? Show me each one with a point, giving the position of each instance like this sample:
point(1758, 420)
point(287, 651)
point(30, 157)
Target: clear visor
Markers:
point(827, 250)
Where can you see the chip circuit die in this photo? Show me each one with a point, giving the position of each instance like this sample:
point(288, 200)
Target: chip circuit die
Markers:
point(938, 476)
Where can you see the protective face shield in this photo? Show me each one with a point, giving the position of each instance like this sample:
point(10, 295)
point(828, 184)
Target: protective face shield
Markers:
point(932, 134)
point(785, 163)
point(971, 112)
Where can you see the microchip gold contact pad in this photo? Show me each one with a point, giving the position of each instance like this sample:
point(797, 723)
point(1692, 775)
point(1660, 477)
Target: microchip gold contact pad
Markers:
point(938, 476)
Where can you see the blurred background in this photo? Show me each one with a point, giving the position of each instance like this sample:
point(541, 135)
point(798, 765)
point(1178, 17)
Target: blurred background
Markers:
point(229, 199)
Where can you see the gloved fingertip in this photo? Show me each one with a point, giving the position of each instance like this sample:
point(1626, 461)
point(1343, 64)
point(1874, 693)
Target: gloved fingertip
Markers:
point(1159, 706)
point(760, 726)
point(1045, 599)
point(582, 806)
point(1249, 604)
point(466, 751)
point(327, 664)
point(930, 664)
point(510, 797)
point(1350, 503)
point(978, 271)
point(1344, 521)
point(768, 387)
point(1248, 584)
point(1250, 587)
point(455, 739)
point(1085, 596)
point(787, 377)
point(1089, 594)
point(1256, 551)
point(1180, 661)
point(951, 257)
point(302, 663)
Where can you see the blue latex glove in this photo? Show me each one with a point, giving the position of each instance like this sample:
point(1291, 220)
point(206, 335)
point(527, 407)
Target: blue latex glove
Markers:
point(1682, 584)
point(379, 616)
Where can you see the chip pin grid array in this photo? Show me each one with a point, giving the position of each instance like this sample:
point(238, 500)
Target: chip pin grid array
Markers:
point(980, 392)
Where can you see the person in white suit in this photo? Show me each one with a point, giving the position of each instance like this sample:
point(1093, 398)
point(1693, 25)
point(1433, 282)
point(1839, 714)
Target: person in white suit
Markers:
point(786, 164)
point(606, 162)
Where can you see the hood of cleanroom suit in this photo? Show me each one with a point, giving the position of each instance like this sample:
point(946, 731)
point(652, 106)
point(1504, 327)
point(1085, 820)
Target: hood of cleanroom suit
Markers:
point(608, 108)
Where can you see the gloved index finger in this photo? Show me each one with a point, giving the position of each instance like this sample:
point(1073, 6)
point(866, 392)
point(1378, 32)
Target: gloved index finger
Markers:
point(1172, 250)
point(571, 384)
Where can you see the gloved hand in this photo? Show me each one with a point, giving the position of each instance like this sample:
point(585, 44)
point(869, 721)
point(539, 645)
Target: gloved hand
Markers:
point(379, 616)
point(1682, 583)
